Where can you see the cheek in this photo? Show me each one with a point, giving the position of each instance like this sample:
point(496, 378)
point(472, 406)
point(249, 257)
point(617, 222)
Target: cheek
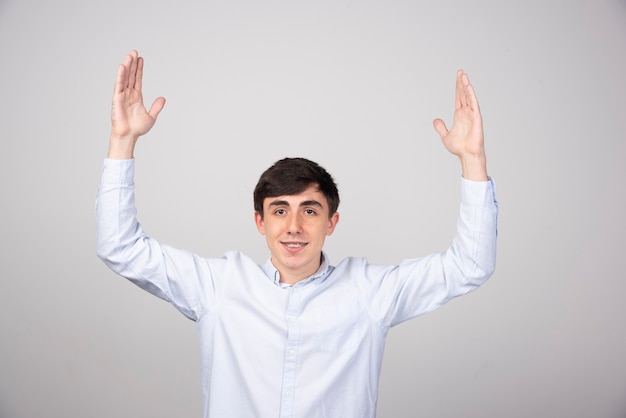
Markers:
point(272, 228)
point(324, 229)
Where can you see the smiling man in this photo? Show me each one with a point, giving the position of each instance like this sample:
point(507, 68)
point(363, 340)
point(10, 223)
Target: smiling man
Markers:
point(298, 220)
point(296, 336)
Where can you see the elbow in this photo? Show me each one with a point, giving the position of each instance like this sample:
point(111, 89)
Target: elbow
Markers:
point(471, 269)
point(108, 252)
point(484, 262)
point(482, 271)
point(121, 257)
point(488, 271)
point(103, 253)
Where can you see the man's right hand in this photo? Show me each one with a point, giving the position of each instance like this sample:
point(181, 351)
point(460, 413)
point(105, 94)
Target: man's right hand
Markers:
point(129, 117)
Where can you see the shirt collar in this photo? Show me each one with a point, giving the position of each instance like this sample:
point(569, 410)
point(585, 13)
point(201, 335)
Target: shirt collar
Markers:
point(272, 273)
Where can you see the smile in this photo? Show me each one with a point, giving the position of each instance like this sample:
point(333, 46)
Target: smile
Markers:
point(294, 244)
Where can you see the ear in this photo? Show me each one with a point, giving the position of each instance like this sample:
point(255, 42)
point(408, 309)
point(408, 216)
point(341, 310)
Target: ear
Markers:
point(260, 225)
point(332, 223)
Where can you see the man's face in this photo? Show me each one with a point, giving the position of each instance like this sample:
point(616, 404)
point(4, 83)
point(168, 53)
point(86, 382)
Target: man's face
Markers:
point(295, 227)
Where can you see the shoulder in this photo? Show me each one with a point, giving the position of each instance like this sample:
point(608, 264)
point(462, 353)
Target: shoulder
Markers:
point(234, 259)
point(234, 268)
point(360, 268)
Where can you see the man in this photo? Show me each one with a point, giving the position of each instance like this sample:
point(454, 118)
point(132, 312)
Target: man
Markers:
point(296, 336)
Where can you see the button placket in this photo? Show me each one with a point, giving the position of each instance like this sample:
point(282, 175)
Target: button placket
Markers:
point(291, 352)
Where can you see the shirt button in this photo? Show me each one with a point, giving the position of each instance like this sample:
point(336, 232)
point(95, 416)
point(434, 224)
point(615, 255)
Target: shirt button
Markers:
point(292, 352)
point(288, 393)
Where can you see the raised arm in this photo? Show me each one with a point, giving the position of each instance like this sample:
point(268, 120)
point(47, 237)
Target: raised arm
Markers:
point(129, 117)
point(465, 138)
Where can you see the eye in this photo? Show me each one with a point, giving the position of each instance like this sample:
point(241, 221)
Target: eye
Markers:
point(310, 212)
point(280, 211)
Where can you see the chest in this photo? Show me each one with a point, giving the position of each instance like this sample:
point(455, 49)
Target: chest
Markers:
point(327, 317)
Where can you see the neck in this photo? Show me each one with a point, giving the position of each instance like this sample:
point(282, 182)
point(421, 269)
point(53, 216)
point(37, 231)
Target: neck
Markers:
point(291, 277)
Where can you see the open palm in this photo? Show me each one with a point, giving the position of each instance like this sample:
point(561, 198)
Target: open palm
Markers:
point(465, 137)
point(129, 117)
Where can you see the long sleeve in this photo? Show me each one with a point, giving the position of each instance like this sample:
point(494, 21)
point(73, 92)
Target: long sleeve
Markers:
point(397, 293)
point(173, 275)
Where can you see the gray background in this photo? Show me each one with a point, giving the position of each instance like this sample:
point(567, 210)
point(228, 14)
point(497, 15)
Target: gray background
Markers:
point(355, 86)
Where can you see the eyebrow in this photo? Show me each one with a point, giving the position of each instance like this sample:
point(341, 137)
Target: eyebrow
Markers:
point(304, 203)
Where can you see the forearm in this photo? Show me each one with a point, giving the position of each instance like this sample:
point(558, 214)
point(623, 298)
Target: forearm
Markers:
point(121, 147)
point(117, 226)
point(473, 249)
point(474, 167)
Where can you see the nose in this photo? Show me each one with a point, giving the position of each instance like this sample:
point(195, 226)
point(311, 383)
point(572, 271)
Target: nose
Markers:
point(295, 227)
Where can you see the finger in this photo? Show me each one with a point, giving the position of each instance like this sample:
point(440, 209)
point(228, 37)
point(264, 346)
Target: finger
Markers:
point(460, 90)
point(133, 70)
point(126, 64)
point(139, 76)
point(472, 100)
point(440, 127)
point(156, 107)
point(120, 82)
point(467, 87)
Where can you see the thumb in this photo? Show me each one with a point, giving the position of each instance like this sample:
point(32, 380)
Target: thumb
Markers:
point(440, 127)
point(156, 107)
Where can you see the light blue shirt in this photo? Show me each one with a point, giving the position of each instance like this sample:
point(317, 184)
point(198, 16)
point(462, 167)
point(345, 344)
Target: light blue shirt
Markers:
point(309, 350)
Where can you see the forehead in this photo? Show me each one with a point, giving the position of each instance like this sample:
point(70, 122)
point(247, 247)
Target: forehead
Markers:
point(311, 195)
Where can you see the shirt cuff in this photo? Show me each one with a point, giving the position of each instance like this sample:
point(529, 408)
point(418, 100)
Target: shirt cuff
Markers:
point(118, 172)
point(481, 193)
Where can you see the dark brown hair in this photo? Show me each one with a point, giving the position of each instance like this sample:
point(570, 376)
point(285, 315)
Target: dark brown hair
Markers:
point(291, 176)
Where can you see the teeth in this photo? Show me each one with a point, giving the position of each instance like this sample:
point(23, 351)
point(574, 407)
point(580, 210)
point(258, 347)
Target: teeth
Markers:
point(298, 245)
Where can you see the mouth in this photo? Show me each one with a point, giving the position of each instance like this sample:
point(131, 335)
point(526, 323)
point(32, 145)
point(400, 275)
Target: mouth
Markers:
point(293, 246)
